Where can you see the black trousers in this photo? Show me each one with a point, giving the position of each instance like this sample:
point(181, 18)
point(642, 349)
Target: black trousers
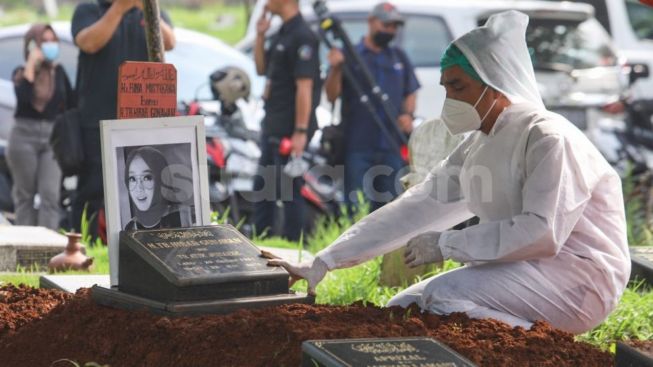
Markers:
point(272, 184)
point(90, 190)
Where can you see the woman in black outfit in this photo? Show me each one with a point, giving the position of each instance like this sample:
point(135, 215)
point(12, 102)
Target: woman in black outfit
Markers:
point(43, 91)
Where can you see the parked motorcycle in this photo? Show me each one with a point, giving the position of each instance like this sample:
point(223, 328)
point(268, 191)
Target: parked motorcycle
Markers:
point(233, 154)
point(232, 149)
point(626, 136)
point(323, 185)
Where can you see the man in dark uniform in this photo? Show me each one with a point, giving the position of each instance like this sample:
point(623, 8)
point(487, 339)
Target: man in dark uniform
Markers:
point(368, 151)
point(107, 33)
point(291, 64)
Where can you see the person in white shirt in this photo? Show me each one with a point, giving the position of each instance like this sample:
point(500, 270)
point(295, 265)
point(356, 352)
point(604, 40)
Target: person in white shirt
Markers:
point(551, 243)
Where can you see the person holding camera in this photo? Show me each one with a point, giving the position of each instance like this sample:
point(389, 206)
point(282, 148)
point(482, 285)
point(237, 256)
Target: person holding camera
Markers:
point(43, 91)
point(367, 148)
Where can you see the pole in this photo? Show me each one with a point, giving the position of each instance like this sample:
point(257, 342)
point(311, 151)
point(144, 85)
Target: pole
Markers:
point(153, 31)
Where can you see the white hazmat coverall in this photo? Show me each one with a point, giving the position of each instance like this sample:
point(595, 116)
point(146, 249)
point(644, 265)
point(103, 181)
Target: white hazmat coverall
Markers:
point(551, 244)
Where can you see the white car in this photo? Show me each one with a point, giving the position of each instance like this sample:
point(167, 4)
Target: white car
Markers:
point(576, 64)
point(195, 57)
point(630, 23)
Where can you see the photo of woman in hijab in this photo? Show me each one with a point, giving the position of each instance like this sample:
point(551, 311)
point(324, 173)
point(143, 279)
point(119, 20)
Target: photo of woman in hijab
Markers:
point(150, 209)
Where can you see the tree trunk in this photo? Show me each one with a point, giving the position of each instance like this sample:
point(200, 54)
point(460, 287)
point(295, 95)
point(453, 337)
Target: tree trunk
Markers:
point(153, 31)
point(51, 8)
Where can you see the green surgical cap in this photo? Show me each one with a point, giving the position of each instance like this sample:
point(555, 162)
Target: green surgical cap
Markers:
point(453, 56)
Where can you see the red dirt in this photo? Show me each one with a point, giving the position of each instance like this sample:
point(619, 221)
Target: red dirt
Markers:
point(81, 330)
point(22, 306)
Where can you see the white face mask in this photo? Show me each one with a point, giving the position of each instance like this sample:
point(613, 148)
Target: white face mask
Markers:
point(460, 117)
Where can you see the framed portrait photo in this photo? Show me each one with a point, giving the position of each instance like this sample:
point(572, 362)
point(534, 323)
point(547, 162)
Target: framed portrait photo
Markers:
point(155, 176)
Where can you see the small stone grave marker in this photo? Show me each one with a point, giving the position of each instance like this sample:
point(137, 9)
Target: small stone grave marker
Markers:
point(642, 263)
point(209, 269)
point(28, 247)
point(72, 283)
point(386, 352)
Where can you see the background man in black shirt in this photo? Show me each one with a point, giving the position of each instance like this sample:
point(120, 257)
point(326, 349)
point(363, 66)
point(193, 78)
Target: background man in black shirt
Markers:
point(107, 33)
point(291, 64)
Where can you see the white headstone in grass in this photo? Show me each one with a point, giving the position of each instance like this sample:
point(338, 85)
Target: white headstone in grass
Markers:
point(28, 247)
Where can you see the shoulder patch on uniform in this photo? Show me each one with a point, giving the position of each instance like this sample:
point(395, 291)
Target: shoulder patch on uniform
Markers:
point(305, 52)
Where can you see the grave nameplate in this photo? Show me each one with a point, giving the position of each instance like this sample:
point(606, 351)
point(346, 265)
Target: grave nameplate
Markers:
point(414, 352)
point(642, 263)
point(195, 264)
point(146, 89)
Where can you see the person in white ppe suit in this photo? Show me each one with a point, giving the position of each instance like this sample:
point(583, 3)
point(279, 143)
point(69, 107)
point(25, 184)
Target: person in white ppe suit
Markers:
point(551, 243)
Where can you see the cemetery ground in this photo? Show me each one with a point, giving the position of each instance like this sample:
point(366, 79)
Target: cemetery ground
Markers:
point(52, 328)
point(39, 327)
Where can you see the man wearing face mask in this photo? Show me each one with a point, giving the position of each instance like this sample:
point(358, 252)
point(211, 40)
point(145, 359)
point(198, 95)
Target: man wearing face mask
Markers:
point(366, 146)
point(107, 33)
point(551, 243)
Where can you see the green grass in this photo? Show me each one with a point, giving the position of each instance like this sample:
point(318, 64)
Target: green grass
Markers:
point(23, 14)
point(207, 20)
point(632, 319)
point(636, 194)
point(30, 276)
point(227, 23)
point(21, 277)
point(358, 283)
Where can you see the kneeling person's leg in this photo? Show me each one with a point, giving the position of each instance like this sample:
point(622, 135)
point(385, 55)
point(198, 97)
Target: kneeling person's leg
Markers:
point(516, 293)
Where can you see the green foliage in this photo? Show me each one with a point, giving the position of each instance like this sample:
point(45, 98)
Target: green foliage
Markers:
point(226, 22)
point(327, 229)
point(30, 276)
point(632, 319)
point(23, 14)
point(359, 283)
point(27, 276)
point(85, 227)
point(637, 199)
point(220, 218)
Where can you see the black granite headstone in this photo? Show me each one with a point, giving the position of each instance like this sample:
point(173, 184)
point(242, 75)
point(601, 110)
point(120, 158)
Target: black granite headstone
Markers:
point(386, 352)
point(191, 271)
point(642, 263)
point(194, 264)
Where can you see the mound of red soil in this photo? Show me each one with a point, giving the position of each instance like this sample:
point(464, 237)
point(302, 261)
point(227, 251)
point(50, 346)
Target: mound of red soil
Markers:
point(80, 330)
point(20, 306)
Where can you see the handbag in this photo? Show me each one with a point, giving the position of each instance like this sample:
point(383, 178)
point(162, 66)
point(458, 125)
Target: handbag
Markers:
point(332, 144)
point(66, 142)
